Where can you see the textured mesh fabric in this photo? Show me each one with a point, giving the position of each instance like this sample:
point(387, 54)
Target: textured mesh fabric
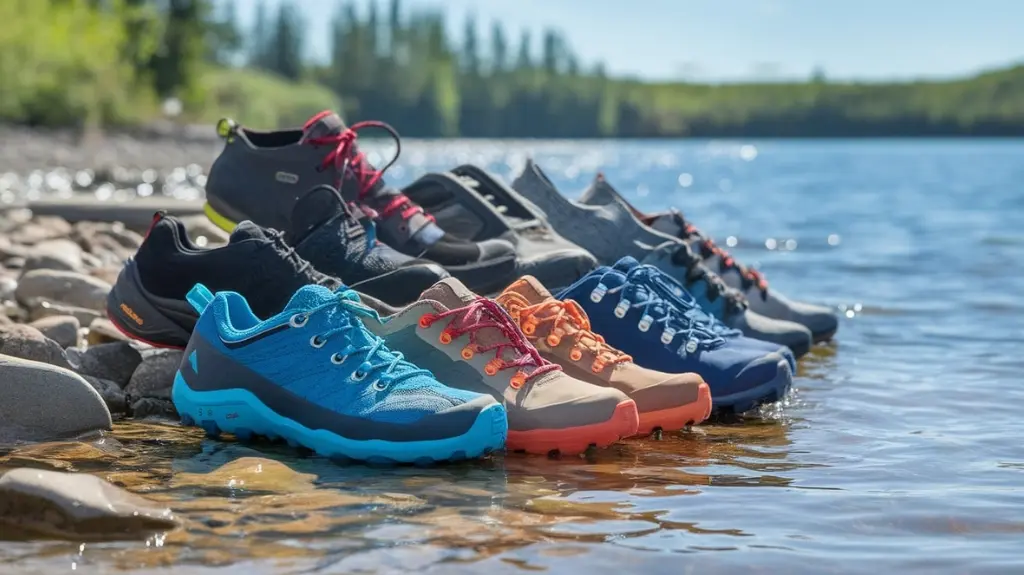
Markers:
point(290, 360)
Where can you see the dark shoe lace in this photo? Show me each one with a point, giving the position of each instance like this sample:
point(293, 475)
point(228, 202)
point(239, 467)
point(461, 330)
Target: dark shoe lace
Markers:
point(749, 276)
point(301, 266)
point(696, 271)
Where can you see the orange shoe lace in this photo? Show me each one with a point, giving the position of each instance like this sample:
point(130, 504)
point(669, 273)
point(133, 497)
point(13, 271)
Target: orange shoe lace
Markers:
point(567, 318)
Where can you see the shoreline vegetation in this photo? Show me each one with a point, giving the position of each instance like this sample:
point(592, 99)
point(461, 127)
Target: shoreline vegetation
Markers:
point(126, 65)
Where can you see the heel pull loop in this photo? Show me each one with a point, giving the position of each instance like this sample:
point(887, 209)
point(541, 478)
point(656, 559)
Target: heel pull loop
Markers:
point(199, 296)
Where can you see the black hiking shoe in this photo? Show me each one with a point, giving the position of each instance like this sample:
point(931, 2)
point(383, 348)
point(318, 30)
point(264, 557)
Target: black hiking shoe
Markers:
point(148, 301)
point(326, 234)
point(260, 175)
point(472, 204)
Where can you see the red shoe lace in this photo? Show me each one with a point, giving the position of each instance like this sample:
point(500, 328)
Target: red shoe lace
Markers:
point(346, 156)
point(484, 313)
point(709, 247)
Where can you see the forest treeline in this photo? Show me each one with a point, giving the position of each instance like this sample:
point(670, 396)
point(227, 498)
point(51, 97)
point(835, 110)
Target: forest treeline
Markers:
point(110, 63)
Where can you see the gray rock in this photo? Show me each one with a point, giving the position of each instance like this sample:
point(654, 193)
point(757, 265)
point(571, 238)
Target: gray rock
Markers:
point(8, 283)
point(62, 329)
point(155, 375)
point(112, 394)
point(59, 254)
point(42, 401)
point(27, 342)
point(102, 330)
point(115, 361)
point(40, 229)
point(76, 506)
point(41, 308)
point(151, 407)
point(62, 286)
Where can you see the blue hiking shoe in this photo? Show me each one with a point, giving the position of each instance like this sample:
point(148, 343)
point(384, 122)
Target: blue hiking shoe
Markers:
point(638, 320)
point(316, 377)
point(674, 292)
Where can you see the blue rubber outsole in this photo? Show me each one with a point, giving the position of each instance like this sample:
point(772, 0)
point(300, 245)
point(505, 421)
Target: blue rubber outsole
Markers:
point(239, 412)
point(768, 392)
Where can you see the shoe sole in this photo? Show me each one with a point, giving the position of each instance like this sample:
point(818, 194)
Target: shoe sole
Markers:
point(135, 315)
point(824, 335)
point(678, 417)
point(242, 414)
point(576, 440)
point(768, 392)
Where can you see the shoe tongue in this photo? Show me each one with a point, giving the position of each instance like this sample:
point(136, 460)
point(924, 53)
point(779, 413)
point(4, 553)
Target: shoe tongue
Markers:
point(319, 207)
point(671, 223)
point(626, 264)
point(326, 123)
point(246, 230)
point(309, 297)
point(451, 293)
point(530, 289)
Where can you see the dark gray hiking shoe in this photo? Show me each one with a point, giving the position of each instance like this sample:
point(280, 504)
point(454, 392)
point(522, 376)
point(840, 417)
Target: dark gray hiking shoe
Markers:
point(148, 302)
point(260, 175)
point(611, 231)
point(472, 204)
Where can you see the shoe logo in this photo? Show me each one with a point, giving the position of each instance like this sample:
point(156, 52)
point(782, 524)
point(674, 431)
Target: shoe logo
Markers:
point(131, 313)
point(286, 178)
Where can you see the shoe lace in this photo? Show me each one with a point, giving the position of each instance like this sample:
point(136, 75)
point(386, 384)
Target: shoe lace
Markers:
point(696, 271)
point(484, 313)
point(657, 311)
point(300, 265)
point(668, 288)
point(346, 158)
point(749, 276)
point(392, 364)
point(566, 318)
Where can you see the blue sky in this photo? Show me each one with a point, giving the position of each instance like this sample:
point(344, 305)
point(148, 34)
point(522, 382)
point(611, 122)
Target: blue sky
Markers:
point(728, 40)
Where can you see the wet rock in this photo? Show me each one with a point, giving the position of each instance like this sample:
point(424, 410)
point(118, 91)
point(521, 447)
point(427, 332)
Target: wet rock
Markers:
point(43, 401)
point(115, 361)
point(155, 375)
point(41, 308)
point(112, 394)
point(76, 506)
point(62, 329)
point(153, 407)
point(27, 342)
point(62, 286)
point(102, 330)
point(59, 254)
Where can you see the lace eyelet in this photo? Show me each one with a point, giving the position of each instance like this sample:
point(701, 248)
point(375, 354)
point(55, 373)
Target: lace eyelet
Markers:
point(298, 320)
point(445, 338)
point(490, 369)
point(317, 342)
point(467, 353)
point(358, 375)
point(517, 380)
point(575, 355)
point(622, 308)
point(426, 320)
point(553, 340)
point(337, 359)
point(597, 367)
point(528, 329)
point(380, 385)
point(598, 294)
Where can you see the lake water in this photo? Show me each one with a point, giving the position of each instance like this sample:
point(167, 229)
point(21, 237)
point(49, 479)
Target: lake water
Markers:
point(899, 450)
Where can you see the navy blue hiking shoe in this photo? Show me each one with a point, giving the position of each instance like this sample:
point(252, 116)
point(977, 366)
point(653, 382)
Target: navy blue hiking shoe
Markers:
point(313, 375)
point(637, 320)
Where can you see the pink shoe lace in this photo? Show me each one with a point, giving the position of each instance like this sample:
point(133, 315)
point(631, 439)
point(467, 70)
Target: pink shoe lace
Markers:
point(484, 313)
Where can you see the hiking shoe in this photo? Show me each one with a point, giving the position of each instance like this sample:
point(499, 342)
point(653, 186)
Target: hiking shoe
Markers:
point(658, 336)
point(314, 376)
point(560, 330)
point(471, 342)
point(326, 234)
point(260, 176)
point(148, 302)
point(674, 292)
point(611, 231)
point(822, 322)
point(471, 204)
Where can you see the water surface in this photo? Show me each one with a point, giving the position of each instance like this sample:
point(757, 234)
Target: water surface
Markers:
point(899, 450)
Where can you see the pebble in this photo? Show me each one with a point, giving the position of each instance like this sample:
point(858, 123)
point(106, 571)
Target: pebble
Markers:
point(43, 401)
point(114, 362)
point(151, 407)
point(77, 507)
point(102, 330)
point(27, 342)
point(59, 254)
point(112, 394)
point(62, 329)
point(155, 375)
point(39, 229)
point(63, 286)
point(41, 308)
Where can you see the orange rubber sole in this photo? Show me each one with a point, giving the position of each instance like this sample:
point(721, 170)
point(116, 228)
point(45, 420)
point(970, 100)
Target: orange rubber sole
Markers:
point(678, 417)
point(576, 440)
